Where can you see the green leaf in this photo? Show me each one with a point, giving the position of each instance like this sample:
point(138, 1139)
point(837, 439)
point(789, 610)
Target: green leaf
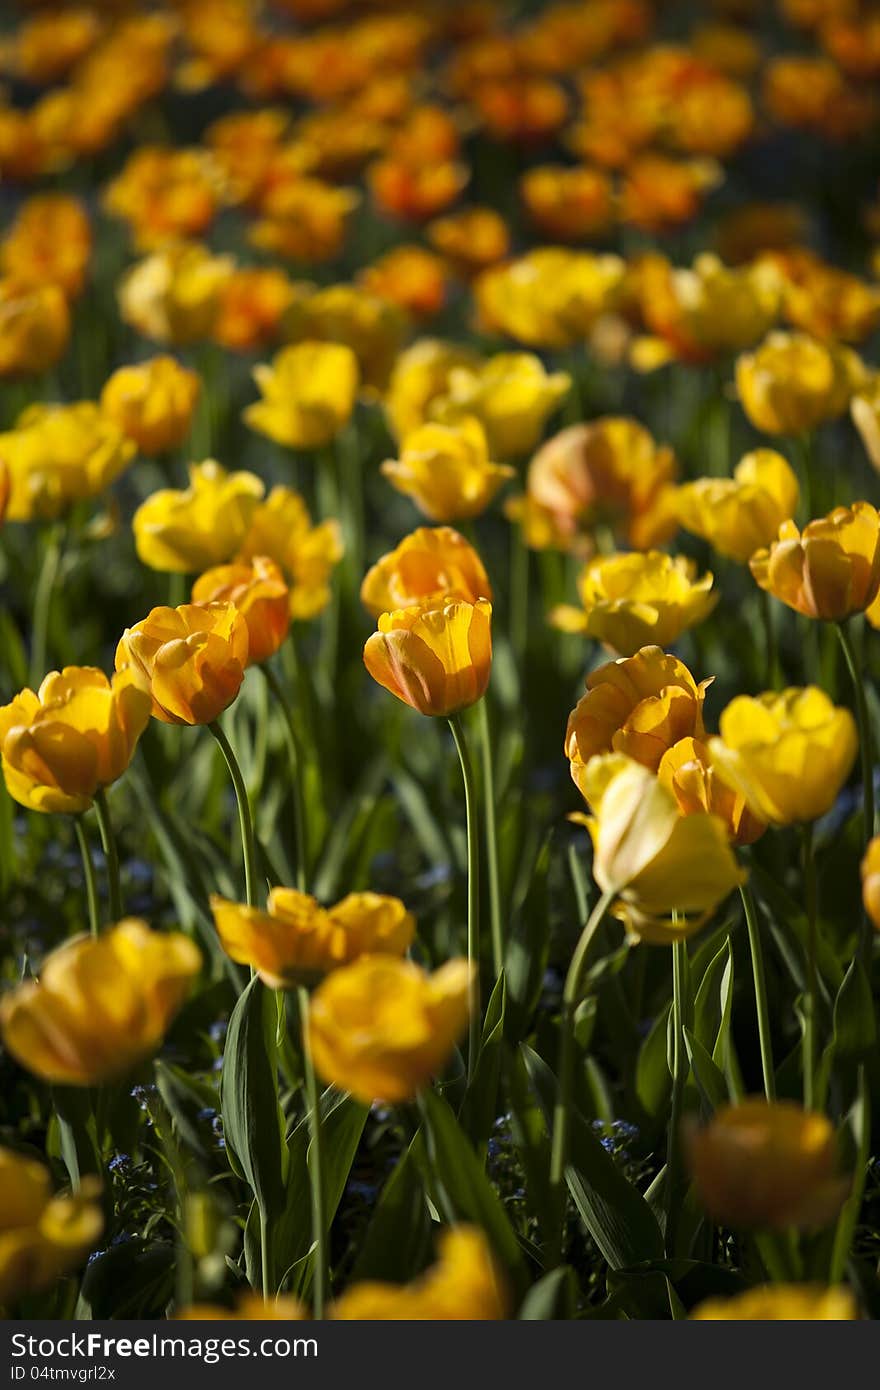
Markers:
point(398, 1237)
point(184, 1097)
point(552, 1298)
point(464, 1190)
point(707, 1005)
point(855, 1024)
point(252, 1121)
point(710, 1080)
point(613, 1211)
point(653, 1082)
point(480, 1106)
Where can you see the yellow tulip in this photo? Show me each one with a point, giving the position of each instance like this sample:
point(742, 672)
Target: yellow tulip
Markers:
point(257, 589)
point(512, 396)
point(34, 327)
point(309, 392)
point(781, 1303)
point(60, 454)
point(766, 1164)
point(608, 473)
point(381, 1027)
point(738, 515)
point(865, 411)
point(41, 1236)
point(249, 1307)
point(282, 529)
point(549, 298)
point(871, 881)
point(792, 383)
point(447, 471)
point(420, 377)
point(431, 564)
point(295, 939)
point(191, 659)
point(153, 403)
point(637, 600)
point(100, 1005)
point(185, 531)
point(370, 325)
point(74, 736)
point(687, 771)
point(174, 295)
point(638, 705)
point(436, 659)
point(464, 1284)
point(698, 313)
point(831, 569)
point(669, 870)
point(788, 754)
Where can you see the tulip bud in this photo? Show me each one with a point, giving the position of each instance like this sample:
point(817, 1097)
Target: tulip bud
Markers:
point(191, 659)
point(436, 659)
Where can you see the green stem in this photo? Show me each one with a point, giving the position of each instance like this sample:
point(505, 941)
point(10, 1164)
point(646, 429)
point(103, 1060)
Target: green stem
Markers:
point(771, 645)
point(846, 1223)
point(43, 604)
point(296, 776)
point(265, 1274)
point(111, 854)
point(760, 983)
point(519, 595)
point(90, 876)
point(473, 870)
point(489, 797)
point(812, 999)
point(244, 815)
point(864, 724)
point(571, 998)
point(316, 1163)
point(679, 1077)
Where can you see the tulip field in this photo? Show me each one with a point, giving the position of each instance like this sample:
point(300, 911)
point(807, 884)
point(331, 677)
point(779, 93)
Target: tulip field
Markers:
point(439, 659)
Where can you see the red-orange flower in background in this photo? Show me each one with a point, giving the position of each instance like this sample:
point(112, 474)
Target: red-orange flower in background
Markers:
point(259, 592)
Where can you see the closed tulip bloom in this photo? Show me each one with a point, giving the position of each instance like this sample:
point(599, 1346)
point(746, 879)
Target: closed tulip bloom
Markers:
point(608, 473)
point(153, 403)
point(42, 1236)
point(637, 600)
point(282, 529)
point(512, 396)
point(670, 870)
point(257, 589)
point(871, 881)
point(309, 392)
point(831, 569)
point(787, 753)
point(370, 325)
point(49, 242)
point(739, 515)
point(420, 377)
point(174, 295)
point(768, 1165)
point(464, 1284)
point(34, 327)
point(781, 1303)
point(549, 298)
point(191, 659)
point(430, 565)
point(381, 1028)
point(697, 314)
point(447, 471)
point(638, 705)
point(436, 659)
point(61, 454)
point(74, 736)
point(100, 1005)
point(296, 940)
point(186, 531)
point(686, 769)
point(792, 383)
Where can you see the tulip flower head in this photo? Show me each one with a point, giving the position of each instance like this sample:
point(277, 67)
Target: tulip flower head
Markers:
point(186, 531)
point(636, 600)
point(431, 564)
point(786, 753)
point(739, 515)
point(437, 660)
point(100, 1005)
point(512, 396)
point(769, 1165)
point(830, 570)
point(34, 327)
point(465, 1283)
point(420, 377)
point(281, 528)
point(153, 403)
point(258, 590)
point(871, 881)
point(670, 870)
point(296, 941)
point(76, 734)
point(686, 769)
point(58, 455)
point(381, 1027)
point(309, 392)
point(191, 659)
point(174, 295)
point(781, 1303)
point(793, 383)
point(447, 471)
point(42, 1236)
